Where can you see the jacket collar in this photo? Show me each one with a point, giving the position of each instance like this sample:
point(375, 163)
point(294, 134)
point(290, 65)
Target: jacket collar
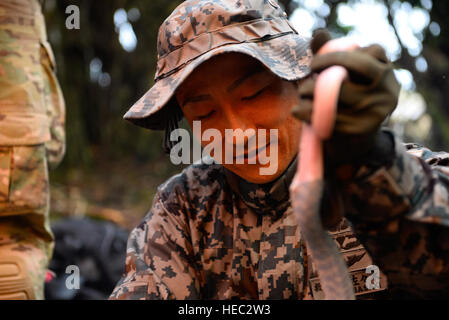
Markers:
point(271, 198)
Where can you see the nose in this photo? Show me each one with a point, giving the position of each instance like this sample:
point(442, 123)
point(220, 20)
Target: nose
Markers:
point(241, 127)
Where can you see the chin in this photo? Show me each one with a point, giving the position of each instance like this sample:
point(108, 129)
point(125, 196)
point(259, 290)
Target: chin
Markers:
point(261, 179)
point(251, 174)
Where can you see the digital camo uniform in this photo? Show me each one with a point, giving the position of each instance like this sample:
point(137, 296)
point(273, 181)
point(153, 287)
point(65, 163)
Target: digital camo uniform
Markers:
point(211, 235)
point(32, 115)
point(206, 238)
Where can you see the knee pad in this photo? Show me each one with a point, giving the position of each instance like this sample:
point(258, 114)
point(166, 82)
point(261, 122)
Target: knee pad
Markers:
point(15, 279)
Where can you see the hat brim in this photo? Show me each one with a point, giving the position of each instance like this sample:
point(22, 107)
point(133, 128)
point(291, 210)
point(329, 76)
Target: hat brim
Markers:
point(287, 56)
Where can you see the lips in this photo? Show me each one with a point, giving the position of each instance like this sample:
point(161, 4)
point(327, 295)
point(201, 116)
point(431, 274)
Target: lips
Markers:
point(250, 155)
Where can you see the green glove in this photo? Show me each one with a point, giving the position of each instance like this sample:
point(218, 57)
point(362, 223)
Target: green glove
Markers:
point(367, 98)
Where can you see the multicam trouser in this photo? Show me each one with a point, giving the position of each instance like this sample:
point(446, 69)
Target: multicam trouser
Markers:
point(32, 138)
point(25, 237)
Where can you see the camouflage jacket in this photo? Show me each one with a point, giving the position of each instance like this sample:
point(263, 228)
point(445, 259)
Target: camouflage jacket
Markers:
point(32, 109)
point(204, 240)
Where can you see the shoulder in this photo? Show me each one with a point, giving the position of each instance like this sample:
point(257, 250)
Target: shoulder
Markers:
point(179, 201)
point(440, 158)
point(196, 178)
point(195, 187)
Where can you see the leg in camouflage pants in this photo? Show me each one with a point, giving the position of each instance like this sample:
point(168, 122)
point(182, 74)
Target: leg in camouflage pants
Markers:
point(25, 237)
point(32, 138)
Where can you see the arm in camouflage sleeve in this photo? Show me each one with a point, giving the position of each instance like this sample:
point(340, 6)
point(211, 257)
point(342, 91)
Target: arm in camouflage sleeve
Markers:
point(55, 107)
point(401, 214)
point(159, 261)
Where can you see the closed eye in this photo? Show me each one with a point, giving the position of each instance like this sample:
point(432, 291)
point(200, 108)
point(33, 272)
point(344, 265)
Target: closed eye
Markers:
point(206, 115)
point(254, 95)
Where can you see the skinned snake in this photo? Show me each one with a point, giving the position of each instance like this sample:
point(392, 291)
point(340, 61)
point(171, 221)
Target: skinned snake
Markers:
point(307, 186)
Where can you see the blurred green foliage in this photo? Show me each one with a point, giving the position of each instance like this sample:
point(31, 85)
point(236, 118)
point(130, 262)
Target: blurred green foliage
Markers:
point(95, 128)
point(433, 84)
point(101, 145)
point(109, 162)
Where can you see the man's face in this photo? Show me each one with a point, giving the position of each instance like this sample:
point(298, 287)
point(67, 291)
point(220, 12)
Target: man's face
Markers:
point(234, 91)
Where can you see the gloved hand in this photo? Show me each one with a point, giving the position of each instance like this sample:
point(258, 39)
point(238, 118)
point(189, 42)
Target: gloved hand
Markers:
point(367, 97)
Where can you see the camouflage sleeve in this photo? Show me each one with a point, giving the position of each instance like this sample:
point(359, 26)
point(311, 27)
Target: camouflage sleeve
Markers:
point(401, 214)
point(159, 261)
point(55, 107)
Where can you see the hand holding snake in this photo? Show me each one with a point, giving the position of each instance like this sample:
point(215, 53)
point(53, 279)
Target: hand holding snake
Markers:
point(343, 103)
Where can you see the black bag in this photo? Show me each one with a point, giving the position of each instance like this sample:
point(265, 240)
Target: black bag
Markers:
point(96, 248)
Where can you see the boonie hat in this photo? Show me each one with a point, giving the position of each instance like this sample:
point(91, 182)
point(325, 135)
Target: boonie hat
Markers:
point(198, 30)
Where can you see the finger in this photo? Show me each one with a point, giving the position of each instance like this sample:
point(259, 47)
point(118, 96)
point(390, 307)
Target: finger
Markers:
point(362, 122)
point(319, 38)
point(331, 207)
point(307, 88)
point(303, 111)
point(377, 52)
point(352, 97)
point(361, 66)
point(355, 98)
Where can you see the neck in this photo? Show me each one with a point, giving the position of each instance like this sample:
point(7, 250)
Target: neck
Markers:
point(269, 198)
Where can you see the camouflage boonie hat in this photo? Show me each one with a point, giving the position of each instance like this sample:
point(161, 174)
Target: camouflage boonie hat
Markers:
point(198, 30)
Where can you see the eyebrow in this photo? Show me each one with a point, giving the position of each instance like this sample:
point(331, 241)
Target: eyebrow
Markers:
point(232, 87)
point(197, 99)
